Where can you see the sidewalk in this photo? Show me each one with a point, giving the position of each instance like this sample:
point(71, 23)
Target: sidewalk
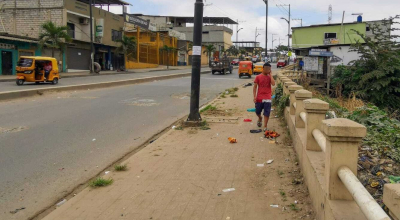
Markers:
point(8, 78)
point(182, 175)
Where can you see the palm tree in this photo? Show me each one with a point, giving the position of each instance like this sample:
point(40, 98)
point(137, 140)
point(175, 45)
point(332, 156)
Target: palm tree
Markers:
point(54, 37)
point(128, 46)
point(209, 50)
point(168, 50)
point(232, 50)
point(243, 52)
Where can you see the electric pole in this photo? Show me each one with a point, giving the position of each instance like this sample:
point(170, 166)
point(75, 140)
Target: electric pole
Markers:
point(266, 28)
point(273, 41)
point(91, 39)
point(288, 21)
point(194, 115)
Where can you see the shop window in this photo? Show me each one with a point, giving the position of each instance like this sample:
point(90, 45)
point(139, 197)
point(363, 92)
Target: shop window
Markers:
point(330, 35)
point(116, 35)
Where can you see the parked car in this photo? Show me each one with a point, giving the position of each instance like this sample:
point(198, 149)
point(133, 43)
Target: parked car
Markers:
point(235, 62)
point(281, 63)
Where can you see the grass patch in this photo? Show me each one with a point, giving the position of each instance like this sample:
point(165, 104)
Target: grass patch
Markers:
point(100, 182)
point(179, 128)
point(204, 125)
point(223, 95)
point(234, 96)
point(280, 173)
point(121, 167)
point(293, 207)
point(208, 108)
point(283, 194)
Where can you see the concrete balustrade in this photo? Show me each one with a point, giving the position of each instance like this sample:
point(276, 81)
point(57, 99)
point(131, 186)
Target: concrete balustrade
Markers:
point(286, 87)
point(328, 155)
point(300, 96)
point(391, 198)
point(343, 137)
point(316, 110)
point(292, 89)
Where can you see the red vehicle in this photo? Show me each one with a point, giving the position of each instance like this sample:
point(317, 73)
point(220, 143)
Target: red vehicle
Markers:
point(235, 62)
point(281, 63)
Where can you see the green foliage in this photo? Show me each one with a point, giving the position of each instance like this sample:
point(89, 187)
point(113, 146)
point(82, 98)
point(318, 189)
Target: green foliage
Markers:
point(375, 77)
point(99, 182)
point(128, 46)
point(53, 36)
point(280, 101)
point(232, 50)
point(243, 52)
point(204, 125)
point(383, 133)
point(210, 49)
point(293, 207)
point(208, 107)
point(343, 82)
point(121, 167)
point(334, 105)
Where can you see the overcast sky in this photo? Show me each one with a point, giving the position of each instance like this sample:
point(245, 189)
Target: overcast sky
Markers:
point(252, 13)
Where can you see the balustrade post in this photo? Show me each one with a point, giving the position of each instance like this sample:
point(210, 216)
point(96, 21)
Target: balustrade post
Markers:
point(301, 95)
point(292, 90)
point(343, 137)
point(316, 111)
point(286, 85)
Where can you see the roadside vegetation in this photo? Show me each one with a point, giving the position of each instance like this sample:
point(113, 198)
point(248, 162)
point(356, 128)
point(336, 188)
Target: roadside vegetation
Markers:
point(100, 182)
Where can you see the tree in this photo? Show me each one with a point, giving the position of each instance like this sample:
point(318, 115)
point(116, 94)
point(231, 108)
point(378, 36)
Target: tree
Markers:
point(281, 48)
point(232, 50)
point(375, 77)
point(210, 49)
point(258, 51)
point(54, 37)
point(168, 50)
point(243, 52)
point(128, 46)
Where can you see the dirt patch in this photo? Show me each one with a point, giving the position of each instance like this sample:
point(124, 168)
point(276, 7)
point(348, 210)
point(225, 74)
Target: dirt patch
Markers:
point(12, 130)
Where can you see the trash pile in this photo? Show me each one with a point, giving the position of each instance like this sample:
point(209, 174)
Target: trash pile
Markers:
point(374, 172)
point(271, 134)
point(232, 140)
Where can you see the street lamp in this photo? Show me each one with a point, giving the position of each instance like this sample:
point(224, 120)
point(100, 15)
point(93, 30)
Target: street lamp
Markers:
point(194, 115)
point(288, 35)
point(237, 36)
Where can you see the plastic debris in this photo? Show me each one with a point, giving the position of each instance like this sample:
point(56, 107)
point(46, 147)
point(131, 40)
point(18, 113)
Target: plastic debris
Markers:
point(374, 184)
point(62, 202)
point(271, 134)
point(255, 131)
point(228, 190)
point(270, 161)
point(106, 172)
point(274, 206)
point(232, 140)
point(260, 165)
point(394, 179)
point(247, 120)
point(173, 127)
point(248, 84)
point(94, 139)
point(295, 202)
point(251, 110)
point(17, 210)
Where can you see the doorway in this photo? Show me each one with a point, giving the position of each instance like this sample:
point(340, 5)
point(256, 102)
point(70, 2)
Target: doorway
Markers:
point(6, 62)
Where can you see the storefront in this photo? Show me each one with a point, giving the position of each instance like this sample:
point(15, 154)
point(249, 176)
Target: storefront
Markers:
point(11, 48)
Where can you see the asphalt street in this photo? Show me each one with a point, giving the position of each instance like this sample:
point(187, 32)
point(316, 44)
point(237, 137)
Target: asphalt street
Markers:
point(11, 86)
point(49, 144)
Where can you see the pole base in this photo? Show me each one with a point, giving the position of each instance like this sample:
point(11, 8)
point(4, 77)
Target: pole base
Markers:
point(192, 124)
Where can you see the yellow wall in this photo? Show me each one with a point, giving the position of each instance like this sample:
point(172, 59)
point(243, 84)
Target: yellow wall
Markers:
point(150, 39)
point(135, 65)
point(204, 57)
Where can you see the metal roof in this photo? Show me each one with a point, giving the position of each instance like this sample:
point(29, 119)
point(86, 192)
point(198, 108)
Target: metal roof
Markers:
point(7, 36)
point(106, 2)
point(207, 20)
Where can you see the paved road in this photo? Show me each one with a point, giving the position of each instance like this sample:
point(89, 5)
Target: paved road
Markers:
point(51, 143)
point(11, 86)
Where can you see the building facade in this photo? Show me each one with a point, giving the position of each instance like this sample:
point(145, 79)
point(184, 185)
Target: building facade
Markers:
point(23, 19)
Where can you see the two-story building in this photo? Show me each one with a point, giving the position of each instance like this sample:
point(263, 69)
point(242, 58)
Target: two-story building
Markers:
point(22, 21)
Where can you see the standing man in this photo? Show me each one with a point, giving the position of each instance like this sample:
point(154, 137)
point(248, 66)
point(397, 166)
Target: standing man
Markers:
point(262, 92)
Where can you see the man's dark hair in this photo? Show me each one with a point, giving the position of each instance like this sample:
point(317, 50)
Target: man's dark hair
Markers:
point(267, 64)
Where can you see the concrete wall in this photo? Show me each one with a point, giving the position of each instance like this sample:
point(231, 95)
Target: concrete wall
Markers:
point(314, 35)
point(111, 21)
point(345, 54)
point(24, 17)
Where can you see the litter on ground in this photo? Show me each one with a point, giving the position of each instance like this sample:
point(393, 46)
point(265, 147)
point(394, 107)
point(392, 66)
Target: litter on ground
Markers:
point(232, 140)
point(255, 131)
point(270, 161)
point(274, 206)
point(271, 134)
point(251, 110)
point(228, 190)
point(260, 165)
point(247, 120)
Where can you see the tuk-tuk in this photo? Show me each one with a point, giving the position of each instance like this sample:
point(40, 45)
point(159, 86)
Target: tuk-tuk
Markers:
point(258, 68)
point(37, 69)
point(245, 68)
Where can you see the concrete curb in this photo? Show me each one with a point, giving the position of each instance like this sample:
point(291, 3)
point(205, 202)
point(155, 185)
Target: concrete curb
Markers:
point(32, 92)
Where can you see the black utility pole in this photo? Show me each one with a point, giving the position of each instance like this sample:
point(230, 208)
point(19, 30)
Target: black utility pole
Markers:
point(266, 29)
point(288, 39)
point(91, 38)
point(194, 115)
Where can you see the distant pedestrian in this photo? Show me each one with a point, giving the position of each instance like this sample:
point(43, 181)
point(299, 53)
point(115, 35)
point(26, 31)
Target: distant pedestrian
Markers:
point(262, 92)
point(301, 64)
